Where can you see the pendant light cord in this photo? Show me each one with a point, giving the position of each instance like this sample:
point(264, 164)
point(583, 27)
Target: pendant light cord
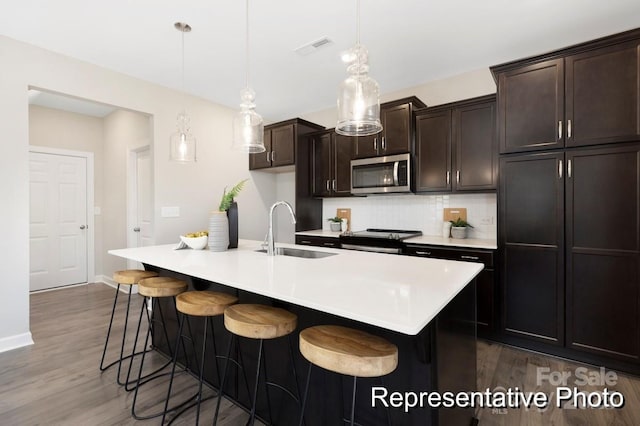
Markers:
point(357, 22)
point(246, 50)
point(183, 92)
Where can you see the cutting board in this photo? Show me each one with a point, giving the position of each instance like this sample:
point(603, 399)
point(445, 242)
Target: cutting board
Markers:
point(453, 213)
point(345, 214)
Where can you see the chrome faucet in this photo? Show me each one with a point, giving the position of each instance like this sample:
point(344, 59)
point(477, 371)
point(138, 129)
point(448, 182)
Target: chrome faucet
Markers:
point(271, 246)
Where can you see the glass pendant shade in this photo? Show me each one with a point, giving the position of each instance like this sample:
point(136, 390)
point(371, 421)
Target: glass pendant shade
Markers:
point(183, 143)
point(358, 97)
point(248, 126)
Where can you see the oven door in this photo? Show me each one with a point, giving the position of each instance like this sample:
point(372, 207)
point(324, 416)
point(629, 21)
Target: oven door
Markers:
point(381, 175)
point(360, 247)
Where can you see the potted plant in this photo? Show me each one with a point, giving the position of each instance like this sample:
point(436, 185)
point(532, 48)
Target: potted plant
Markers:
point(335, 223)
point(459, 228)
point(223, 223)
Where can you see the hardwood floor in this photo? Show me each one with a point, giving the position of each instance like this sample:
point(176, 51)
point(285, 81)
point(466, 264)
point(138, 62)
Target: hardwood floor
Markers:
point(57, 381)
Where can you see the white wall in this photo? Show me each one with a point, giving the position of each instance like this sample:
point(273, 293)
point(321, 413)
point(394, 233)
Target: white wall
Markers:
point(196, 189)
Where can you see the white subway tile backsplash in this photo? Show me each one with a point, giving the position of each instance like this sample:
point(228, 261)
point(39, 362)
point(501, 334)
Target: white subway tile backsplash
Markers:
point(423, 212)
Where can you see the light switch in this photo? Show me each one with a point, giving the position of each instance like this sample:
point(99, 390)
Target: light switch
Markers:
point(170, 211)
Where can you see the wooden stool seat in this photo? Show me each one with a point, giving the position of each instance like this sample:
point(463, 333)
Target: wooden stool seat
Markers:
point(132, 276)
point(204, 303)
point(161, 287)
point(348, 351)
point(259, 321)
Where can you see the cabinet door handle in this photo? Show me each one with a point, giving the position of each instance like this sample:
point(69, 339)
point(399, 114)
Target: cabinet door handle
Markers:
point(464, 256)
point(448, 177)
point(569, 168)
point(273, 156)
point(268, 156)
point(457, 176)
point(569, 130)
point(384, 143)
point(423, 253)
point(327, 185)
point(559, 129)
point(560, 169)
point(333, 185)
point(375, 143)
point(305, 242)
point(328, 244)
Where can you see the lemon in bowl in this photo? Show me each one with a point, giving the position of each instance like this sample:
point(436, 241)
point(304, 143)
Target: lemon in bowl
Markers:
point(196, 240)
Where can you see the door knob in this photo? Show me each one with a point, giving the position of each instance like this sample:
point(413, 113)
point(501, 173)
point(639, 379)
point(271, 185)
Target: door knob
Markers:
point(136, 229)
point(82, 227)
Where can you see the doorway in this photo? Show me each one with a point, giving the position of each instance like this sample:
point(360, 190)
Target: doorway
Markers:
point(61, 235)
point(140, 201)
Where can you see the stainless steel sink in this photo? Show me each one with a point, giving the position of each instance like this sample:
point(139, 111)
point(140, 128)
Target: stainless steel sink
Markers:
point(307, 254)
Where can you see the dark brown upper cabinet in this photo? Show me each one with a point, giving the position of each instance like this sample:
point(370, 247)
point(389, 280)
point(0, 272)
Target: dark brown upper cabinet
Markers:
point(583, 95)
point(280, 140)
point(332, 154)
point(456, 147)
point(397, 130)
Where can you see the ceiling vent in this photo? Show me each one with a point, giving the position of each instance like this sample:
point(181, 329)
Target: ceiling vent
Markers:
point(313, 46)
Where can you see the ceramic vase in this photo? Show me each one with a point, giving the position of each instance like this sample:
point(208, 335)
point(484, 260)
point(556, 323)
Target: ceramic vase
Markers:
point(218, 231)
point(458, 232)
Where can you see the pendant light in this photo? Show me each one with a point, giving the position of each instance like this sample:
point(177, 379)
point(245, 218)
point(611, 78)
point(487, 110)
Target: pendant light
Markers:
point(183, 143)
point(248, 126)
point(359, 95)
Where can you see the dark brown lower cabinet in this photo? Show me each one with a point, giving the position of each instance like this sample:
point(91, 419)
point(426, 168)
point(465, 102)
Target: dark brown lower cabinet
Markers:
point(570, 252)
point(485, 281)
point(307, 240)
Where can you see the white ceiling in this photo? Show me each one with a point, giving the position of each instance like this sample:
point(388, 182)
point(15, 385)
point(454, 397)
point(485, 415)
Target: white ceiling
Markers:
point(410, 41)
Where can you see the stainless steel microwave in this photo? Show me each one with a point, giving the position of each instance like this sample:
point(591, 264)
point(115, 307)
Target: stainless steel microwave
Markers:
point(381, 175)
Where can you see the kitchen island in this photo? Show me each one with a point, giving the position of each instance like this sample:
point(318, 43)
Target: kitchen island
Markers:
point(425, 306)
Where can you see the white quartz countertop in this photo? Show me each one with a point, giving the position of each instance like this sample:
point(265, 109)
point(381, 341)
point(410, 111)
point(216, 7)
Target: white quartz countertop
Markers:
point(399, 293)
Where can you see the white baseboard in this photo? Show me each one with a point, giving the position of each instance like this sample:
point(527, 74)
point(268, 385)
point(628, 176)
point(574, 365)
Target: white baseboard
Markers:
point(15, 342)
point(111, 283)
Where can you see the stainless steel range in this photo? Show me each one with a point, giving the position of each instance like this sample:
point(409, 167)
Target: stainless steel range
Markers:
point(377, 240)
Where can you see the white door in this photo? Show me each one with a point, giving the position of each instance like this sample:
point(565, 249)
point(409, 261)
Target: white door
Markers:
point(58, 220)
point(142, 208)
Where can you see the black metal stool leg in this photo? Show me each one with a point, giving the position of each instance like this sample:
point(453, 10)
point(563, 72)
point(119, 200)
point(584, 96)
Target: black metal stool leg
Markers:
point(173, 369)
point(135, 345)
point(204, 352)
point(124, 337)
point(252, 418)
point(224, 377)
point(306, 394)
point(106, 342)
point(353, 401)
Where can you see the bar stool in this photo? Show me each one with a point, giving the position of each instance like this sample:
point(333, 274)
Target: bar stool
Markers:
point(200, 304)
point(257, 322)
point(149, 288)
point(129, 278)
point(346, 351)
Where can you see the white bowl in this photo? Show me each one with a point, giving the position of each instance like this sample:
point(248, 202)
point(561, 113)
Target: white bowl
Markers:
point(196, 243)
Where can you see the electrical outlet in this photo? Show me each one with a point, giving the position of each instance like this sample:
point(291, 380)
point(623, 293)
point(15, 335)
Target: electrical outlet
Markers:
point(487, 220)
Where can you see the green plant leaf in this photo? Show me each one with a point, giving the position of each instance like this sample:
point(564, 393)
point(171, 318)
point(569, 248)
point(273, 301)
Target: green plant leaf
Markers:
point(227, 197)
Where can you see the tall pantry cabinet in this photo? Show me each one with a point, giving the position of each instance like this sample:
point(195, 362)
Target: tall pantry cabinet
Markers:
point(569, 201)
